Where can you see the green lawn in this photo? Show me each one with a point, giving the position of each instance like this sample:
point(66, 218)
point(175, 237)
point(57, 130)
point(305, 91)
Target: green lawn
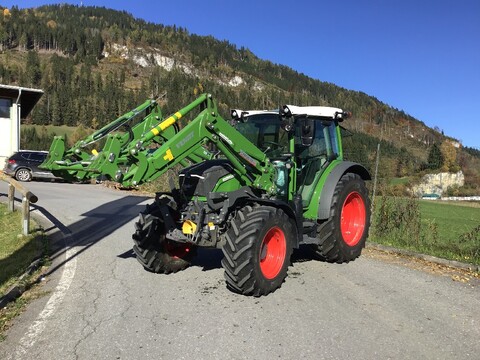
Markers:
point(400, 181)
point(449, 230)
point(453, 219)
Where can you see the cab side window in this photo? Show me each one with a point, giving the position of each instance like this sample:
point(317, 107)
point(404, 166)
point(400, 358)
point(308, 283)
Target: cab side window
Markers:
point(332, 132)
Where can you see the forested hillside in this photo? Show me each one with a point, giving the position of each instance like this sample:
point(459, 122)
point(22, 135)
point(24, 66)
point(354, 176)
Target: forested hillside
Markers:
point(95, 64)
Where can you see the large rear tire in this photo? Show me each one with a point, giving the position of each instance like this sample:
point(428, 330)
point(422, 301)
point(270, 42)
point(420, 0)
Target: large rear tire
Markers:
point(342, 237)
point(257, 250)
point(153, 251)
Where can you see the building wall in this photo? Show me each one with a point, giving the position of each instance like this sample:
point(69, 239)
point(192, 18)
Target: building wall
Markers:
point(9, 134)
point(15, 102)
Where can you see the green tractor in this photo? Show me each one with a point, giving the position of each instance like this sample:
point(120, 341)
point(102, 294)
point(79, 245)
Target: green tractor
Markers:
point(257, 186)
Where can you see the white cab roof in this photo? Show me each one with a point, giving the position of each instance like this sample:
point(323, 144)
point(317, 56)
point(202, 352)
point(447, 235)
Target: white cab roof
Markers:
point(237, 113)
point(292, 110)
point(319, 111)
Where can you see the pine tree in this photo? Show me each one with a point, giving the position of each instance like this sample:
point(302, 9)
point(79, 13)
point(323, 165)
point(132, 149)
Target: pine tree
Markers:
point(33, 73)
point(435, 157)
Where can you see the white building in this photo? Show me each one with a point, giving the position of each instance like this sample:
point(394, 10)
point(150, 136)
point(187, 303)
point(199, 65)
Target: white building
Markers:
point(15, 104)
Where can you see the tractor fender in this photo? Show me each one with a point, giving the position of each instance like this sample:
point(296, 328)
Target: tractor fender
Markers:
point(331, 182)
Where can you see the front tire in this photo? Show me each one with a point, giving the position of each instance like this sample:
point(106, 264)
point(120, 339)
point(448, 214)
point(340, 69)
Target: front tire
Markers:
point(153, 250)
point(257, 250)
point(342, 237)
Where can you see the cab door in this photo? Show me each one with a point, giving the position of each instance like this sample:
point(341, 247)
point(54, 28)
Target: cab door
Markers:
point(313, 159)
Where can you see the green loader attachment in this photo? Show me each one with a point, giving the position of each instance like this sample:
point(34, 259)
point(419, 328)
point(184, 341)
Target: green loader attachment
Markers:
point(256, 186)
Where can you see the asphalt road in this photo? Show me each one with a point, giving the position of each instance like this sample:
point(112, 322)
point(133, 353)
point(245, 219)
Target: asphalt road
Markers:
point(101, 304)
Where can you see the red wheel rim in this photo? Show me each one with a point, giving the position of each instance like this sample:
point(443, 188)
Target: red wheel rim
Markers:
point(177, 251)
point(272, 252)
point(353, 219)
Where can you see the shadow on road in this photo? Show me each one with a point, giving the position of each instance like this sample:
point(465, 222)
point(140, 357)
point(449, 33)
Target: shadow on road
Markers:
point(211, 259)
point(96, 224)
point(105, 219)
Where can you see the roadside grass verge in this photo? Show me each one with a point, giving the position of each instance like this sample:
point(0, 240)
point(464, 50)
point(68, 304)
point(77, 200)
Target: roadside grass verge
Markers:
point(16, 254)
point(15, 308)
point(16, 251)
point(446, 230)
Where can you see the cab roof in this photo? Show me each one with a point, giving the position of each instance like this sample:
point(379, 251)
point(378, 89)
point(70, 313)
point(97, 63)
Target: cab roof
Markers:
point(314, 111)
point(292, 110)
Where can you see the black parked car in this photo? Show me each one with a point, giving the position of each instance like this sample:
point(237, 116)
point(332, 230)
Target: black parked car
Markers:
point(23, 165)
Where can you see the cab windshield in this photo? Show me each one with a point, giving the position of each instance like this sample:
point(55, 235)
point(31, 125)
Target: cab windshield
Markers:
point(264, 131)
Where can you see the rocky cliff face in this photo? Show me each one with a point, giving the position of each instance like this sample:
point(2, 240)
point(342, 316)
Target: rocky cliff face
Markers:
point(150, 57)
point(438, 183)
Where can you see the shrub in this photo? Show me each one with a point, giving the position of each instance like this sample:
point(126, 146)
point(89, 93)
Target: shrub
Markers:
point(470, 242)
point(398, 221)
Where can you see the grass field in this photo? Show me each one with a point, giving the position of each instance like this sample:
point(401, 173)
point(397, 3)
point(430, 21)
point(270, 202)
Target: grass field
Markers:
point(458, 229)
point(400, 181)
point(51, 129)
point(453, 219)
point(448, 230)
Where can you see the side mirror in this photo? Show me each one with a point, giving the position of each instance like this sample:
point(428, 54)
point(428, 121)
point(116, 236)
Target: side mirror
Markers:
point(307, 127)
point(287, 125)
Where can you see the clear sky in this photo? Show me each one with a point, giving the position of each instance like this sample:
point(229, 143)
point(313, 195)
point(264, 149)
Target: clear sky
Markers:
point(420, 56)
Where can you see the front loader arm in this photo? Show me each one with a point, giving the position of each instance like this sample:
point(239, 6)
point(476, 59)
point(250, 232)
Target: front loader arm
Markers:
point(78, 153)
point(84, 161)
point(250, 162)
point(133, 164)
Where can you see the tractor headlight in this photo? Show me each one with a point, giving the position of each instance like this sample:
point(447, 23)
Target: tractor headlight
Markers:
point(236, 114)
point(340, 116)
point(286, 111)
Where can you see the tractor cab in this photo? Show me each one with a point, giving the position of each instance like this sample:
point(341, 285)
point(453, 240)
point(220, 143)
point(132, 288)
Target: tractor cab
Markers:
point(308, 135)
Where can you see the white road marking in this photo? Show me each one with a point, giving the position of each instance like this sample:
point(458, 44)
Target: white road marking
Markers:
point(29, 339)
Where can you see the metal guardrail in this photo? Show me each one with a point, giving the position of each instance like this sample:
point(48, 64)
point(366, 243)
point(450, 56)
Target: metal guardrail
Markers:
point(28, 197)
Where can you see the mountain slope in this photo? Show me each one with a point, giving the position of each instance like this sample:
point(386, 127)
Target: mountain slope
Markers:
point(95, 63)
